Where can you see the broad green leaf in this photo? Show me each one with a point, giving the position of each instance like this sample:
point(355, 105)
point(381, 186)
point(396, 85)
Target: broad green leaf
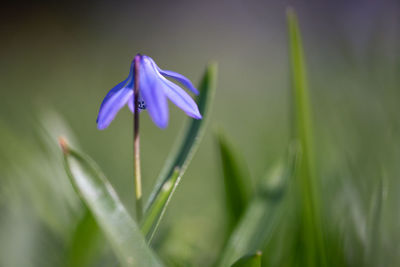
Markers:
point(263, 213)
point(97, 193)
point(236, 180)
point(154, 214)
point(251, 260)
point(84, 242)
point(311, 222)
point(185, 149)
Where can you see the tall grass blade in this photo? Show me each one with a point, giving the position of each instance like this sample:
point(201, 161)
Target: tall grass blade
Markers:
point(311, 233)
point(155, 212)
point(258, 223)
point(252, 260)
point(236, 181)
point(184, 151)
point(97, 193)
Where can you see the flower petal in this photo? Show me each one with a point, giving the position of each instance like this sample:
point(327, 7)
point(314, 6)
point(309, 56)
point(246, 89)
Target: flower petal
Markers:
point(111, 105)
point(151, 89)
point(180, 98)
point(180, 78)
point(177, 76)
point(112, 92)
point(130, 103)
point(115, 99)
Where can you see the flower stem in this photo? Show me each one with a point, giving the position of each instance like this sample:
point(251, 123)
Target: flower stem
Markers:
point(136, 145)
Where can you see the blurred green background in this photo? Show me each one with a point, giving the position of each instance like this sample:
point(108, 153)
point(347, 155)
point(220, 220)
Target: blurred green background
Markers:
point(63, 57)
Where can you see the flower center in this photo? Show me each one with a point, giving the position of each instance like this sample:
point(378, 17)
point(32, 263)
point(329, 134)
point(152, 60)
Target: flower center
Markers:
point(142, 105)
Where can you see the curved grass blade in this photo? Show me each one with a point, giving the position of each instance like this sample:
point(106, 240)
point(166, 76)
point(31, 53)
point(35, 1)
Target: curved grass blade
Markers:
point(184, 151)
point(119, 228)
point(252, 260)
point(259, 221)
point(236, 181)
point(311, 221)
point(154, 214)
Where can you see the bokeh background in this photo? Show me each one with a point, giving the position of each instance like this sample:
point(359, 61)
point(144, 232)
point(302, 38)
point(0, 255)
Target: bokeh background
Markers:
point(59, 59)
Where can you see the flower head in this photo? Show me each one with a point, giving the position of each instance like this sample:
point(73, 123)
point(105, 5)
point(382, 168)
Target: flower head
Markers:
point(154, 90)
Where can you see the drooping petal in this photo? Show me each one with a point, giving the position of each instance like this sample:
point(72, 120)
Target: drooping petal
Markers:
point(112, 92)
point(151, 89)
point(131, 104)
point(115, 99)
point(177, 95)
point(180, 78)
point(112, 105)
point(180, 98)
point(177, 76)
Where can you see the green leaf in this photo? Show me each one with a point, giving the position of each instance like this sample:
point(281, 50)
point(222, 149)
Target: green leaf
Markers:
point(183, 152)
point(252, 260)
point(311, 232)
point(84, 242)
point(97, 193)
point(260, 219)
point(154, 214)
point(236, 181)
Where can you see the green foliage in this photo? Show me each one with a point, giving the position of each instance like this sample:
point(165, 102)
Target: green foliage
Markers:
point(107, 209)
point(38, 206)
point(186, 146)
point(236, 181)
point(153, 215)
point(84, 245)
point(310, 229)
point(181, 156)
point(263, 214)
point(326, 203)
point(102, 201)
point(252, 260)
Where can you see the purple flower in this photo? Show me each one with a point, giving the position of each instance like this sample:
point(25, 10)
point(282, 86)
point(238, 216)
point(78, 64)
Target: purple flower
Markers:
point(154, 90)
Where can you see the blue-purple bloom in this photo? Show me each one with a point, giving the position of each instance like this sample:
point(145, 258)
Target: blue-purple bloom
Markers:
point(154, 89)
